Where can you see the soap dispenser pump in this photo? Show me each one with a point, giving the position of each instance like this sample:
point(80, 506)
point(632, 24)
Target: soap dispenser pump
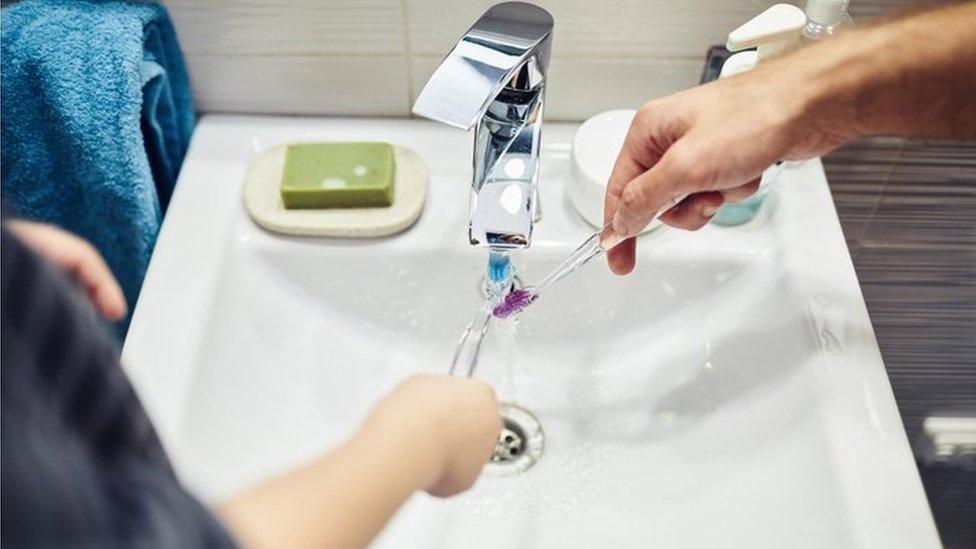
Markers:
point(772, 32)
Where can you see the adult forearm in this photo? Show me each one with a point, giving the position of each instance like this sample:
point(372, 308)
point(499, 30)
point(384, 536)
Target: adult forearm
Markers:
point(915, 75)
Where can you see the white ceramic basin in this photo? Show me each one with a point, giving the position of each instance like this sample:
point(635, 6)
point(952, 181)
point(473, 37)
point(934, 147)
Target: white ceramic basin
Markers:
point(729, 393)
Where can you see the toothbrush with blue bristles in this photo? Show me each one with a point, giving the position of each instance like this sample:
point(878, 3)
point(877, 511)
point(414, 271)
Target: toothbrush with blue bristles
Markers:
point(499, 279)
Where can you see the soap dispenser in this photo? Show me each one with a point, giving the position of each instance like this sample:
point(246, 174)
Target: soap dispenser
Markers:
point(770, 33)
point(766, 35)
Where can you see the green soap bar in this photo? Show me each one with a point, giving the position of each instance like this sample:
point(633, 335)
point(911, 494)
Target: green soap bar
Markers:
point(338, 175)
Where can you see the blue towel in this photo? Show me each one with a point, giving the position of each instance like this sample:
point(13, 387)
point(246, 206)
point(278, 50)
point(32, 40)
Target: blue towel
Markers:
point(96, 118)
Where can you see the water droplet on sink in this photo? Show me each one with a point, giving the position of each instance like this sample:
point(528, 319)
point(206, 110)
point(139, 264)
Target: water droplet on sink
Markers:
point(830, 342)
point(724, 274)
point(667, 418)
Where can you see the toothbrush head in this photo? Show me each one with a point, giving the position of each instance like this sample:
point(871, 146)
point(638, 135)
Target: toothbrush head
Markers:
point(499, 267)
point(514, 302)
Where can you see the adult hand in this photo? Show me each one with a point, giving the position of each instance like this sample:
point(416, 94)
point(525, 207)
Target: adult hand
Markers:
point(79, 259)
point(711, 144)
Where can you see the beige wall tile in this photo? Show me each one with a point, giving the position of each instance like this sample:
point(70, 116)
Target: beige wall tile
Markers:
point(295, 84)
point(579, 88)
point(655, 28)
point(288, 26)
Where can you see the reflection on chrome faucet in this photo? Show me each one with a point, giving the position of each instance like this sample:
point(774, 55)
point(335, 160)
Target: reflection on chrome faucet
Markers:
point(494, 80)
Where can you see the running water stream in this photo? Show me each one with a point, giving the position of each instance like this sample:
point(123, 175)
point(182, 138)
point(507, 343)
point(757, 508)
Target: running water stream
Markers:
point(499, 276)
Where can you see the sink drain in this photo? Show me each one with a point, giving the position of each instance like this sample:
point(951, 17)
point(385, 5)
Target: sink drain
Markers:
point(519, 445)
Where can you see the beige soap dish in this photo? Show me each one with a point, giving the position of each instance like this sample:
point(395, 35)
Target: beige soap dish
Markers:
point(262, 199)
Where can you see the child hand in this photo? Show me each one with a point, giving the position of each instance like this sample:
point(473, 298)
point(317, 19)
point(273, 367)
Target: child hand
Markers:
point(77, 258)
point(452, 424)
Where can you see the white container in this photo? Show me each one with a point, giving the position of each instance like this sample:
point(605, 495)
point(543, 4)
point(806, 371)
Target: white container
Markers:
point(595, 148)
point(824, 18)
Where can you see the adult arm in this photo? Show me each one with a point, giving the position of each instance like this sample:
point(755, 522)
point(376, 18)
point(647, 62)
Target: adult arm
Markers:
point(909, 76)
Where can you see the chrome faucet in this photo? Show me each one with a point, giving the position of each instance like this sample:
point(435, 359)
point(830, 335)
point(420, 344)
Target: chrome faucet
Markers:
point(494, 80)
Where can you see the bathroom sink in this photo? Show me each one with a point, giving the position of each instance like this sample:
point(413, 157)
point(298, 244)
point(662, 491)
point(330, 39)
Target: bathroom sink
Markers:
point(729, 393)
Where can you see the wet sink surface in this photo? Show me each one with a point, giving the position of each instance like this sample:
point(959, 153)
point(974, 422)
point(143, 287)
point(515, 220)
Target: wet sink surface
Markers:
point(728, 393)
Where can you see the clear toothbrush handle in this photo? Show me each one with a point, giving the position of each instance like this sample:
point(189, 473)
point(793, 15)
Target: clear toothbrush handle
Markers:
point(601, 241)
point(593, 246)
point(469, 348)
point(586, 251)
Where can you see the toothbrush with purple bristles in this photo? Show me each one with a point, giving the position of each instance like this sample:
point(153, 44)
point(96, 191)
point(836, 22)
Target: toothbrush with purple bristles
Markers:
point(469, 347)
point(601, 241)
point(596, 245)
point(499, 271)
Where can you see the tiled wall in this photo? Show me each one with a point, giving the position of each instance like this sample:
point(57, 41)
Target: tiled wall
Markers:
point(372, 57)
point(908, 209)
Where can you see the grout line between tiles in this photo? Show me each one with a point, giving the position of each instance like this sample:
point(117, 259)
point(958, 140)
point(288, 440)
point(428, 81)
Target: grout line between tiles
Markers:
point(405, 22)
point(323, 55)
point(428, 56)
point(907, 245)
point(605, 56)
point(884, 189)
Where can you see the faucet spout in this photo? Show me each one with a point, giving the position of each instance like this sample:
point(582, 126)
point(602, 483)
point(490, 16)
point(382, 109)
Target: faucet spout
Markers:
point(494, 81)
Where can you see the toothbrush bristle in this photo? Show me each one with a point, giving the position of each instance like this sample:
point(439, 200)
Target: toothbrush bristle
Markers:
point(499, 267)
point(514, 303)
